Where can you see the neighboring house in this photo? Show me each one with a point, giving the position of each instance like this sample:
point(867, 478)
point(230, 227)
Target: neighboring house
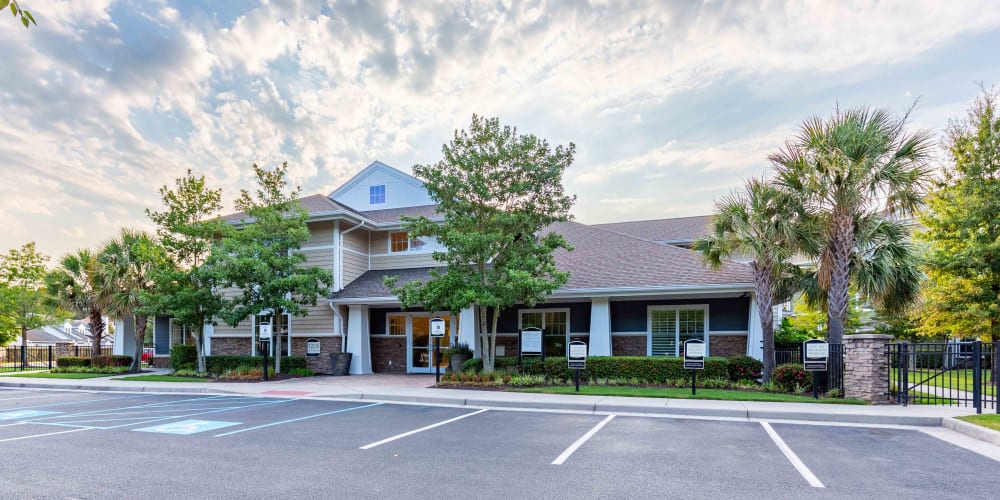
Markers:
point(76, 332)
point(629, 292)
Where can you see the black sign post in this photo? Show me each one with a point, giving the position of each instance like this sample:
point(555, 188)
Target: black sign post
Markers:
point(577, 359)
point(437, 331)
point(815, 358)
point(694, 360)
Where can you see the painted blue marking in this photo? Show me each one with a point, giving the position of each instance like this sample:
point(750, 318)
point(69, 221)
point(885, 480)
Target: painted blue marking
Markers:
point(89, 401)
point(19, 414)
point(98, 416)
point(187, 427)
point(296, 419)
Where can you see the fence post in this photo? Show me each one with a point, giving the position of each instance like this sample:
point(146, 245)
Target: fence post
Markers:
point(866, 367)
point(977, 376)
point(50, 357)
point(903, 374)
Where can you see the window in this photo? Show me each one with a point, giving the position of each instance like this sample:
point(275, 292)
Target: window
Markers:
point(400, 241)
point(397, 325)
point(376, 194)
point(670, 326)
point(555, 328)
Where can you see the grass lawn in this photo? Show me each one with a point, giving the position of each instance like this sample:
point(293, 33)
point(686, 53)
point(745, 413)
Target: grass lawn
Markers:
point(162, 378)
point(681, 393)
point(957, 379)
point(988, 421)
point(62, 375)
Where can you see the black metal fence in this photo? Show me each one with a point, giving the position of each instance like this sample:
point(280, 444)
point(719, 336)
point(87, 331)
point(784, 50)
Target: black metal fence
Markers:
point(832, 379)
point(84, 351)
point(945, 373)
point(17, 358)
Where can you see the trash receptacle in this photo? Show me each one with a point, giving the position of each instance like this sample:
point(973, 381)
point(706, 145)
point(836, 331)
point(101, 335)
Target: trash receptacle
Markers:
point(340, 363)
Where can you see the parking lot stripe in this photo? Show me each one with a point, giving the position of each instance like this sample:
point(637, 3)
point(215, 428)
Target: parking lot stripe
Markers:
point(792, 457)
point(29, 397)
point(422, 429)
point(42, 435)
point(295, 420)
point(87, 401)
point(583, 439)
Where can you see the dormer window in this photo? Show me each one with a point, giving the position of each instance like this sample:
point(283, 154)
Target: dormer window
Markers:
point(376, 194)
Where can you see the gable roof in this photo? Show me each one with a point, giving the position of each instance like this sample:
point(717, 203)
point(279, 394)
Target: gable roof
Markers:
point(677, 230)
point(375, 165)
point(314, 204)
point(390, 215)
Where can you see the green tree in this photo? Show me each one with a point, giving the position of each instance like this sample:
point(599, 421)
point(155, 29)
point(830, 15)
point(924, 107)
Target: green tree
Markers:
point(768, 226)
point(498, 192)
point(22, 275)
point(261, 259)
point(128, 266)
point(76, 286)
point(187, 229)
point(861, 171)
point(963, 232)
point(26, 18)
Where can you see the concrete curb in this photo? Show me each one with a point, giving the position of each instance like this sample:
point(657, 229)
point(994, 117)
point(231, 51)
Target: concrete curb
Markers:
point(972, 430)
point(115, 388)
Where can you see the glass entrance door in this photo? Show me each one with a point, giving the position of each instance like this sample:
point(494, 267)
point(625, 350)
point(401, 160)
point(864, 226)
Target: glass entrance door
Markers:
point(422, 345)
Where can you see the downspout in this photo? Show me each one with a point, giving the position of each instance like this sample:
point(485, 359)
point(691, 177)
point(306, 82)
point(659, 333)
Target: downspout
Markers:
point(340, 270)
point(338, 323)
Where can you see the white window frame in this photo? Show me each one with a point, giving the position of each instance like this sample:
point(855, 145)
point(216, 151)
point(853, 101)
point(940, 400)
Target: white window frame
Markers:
point(427, 247)
point(170, 334)
point(406, 324)
point(253, 332)
point(569, 331)
point(681, 307)
point(373, 195)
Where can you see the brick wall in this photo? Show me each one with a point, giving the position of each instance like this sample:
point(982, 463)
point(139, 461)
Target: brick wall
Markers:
point(321, 363)
point(628, 345)
point(727, 345)
point(386, 349)
point(235, 346)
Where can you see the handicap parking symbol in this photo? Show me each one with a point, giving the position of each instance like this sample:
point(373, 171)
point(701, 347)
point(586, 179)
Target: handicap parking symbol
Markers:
point(186, 427)
point(22, 414)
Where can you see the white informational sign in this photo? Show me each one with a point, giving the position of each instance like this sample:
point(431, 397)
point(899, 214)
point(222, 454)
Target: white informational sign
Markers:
point(815, 355)
point(264, 331)
point(531, 341)
point(437, 327)
point(694, 354)
point(577, 355)
point(312, 347)
point(816, 350)
point(694, 350)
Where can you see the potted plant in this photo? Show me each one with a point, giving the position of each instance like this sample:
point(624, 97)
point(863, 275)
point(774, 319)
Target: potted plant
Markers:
point(457, 355)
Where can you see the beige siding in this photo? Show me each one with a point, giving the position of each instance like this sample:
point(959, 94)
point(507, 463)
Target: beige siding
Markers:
point(354, 266)
point(319, 258)
point(222, 329)
point(320, 234)
point(357, 240)
point(380, 243)
point(319, 320)
point(404, 260)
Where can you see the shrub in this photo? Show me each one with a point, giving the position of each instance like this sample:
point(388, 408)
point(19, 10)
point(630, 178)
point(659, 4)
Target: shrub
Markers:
point(183, 357)
point(90, 369)
point(111, 361)
point(189, 373)
point(221, 364)
point(72, 361)
point(459, 348)
point(790, 375)
point(301, 372)
point(744, 368)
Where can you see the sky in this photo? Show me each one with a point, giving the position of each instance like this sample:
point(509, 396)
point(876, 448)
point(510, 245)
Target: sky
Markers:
point(670, 104)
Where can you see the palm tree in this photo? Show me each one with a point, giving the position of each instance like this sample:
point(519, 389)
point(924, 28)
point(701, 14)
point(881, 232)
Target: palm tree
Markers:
point(75, 286)
point(860, 165)
point(767, 225)
point(128, 265)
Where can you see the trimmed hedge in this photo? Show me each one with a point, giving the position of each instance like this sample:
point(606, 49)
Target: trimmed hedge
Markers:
point(72, 361)
point(789, 375)
point(648, 369)
point(111, 361)
point(183, 357)
point(222, 364)
point(745, 368)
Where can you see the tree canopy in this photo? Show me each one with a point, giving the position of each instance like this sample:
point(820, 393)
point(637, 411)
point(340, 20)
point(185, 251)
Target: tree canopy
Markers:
point(22, 291)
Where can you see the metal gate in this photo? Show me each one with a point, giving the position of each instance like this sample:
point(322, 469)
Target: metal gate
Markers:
point(16, 358)
point(945, 373)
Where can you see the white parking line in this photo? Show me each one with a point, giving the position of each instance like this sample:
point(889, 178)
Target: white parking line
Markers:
point(342, 410)
point(42, 435)
point(422, 429)
point(583, 439)
point(792, 457)
point(29, 397)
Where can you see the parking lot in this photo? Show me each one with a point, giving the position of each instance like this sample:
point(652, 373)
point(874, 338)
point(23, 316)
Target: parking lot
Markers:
point(114, 445)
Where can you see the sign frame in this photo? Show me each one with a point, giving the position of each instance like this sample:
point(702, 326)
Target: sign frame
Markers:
point(313, 347)
point(437, 326)
point(695, 361)
point(264, 332)
point(532, 337)
point(815, 355)
point(574, 358)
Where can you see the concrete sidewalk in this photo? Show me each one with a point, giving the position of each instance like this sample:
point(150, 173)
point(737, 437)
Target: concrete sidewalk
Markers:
point(416, 389)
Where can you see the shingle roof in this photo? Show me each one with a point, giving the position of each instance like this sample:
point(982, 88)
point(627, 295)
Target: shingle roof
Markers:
point(601, 259)
point(313, 204)
point(393, 214)
point(681, 229)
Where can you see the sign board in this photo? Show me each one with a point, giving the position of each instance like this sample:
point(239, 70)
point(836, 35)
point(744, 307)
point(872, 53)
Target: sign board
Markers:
point(312, 347)
point(531, 341)
point(264, 331)
point(437, 327)
point(815, 355)
point(694, 354)
point(577, 355)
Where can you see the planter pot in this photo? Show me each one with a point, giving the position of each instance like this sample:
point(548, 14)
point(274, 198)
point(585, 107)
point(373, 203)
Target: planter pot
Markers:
point(456, 361)
point(340, 363)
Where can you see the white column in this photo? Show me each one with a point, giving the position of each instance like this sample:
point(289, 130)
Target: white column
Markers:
point(358, 340)
point(124, 336)
point(755, 332)
point(600, 327)
point(467, 328)
point(207, 331)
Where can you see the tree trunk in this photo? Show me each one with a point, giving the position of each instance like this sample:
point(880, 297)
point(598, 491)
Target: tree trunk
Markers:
point(140, 340)
point(493, 336)
point(764, 289)
point(842, 246)
point(96, 331)
point(199, 342)
point(484, 343)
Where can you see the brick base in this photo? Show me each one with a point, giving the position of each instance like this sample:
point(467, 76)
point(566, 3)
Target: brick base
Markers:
point(160, 362)
point(727, 345)
point(628, 345)
point(321, 363)
point(386, 349)
point(231, 346)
